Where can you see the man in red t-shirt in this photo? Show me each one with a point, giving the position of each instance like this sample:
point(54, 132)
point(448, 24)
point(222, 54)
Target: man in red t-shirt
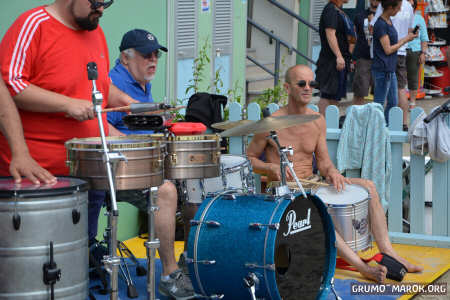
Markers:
point(43, 59)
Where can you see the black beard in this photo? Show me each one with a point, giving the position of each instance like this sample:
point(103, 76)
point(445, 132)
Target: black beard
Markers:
point(87, 23)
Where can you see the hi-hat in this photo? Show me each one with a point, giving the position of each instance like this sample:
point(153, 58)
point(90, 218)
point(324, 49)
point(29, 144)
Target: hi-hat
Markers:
point(269, 124)
point(230, 124)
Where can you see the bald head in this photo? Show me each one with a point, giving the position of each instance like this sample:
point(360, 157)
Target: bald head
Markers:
point(303, 69)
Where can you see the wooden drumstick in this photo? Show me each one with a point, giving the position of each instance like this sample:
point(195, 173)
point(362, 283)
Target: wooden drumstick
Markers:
point(128, 108)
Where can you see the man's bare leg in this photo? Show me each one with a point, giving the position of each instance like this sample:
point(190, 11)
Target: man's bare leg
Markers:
point(189, 210)
point(379, 225)
point(165, 226)
point(403, 104)
point(324, 103)
point(376, 273)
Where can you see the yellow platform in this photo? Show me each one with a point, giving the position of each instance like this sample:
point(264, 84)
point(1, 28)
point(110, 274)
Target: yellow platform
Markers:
point(435, 261)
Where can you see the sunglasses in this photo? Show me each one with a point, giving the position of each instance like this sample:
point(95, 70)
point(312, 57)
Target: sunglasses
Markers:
point(97, 4)
point(156, 53)
point(313, 84)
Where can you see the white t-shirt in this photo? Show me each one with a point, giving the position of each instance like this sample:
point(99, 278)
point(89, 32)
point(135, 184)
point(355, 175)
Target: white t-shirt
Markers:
point(402, 21)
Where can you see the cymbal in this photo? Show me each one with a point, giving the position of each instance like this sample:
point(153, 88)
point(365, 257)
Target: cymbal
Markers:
point(268, 124)
point(230, 124)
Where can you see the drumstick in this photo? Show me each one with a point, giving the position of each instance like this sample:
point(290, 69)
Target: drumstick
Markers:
point(127, 109)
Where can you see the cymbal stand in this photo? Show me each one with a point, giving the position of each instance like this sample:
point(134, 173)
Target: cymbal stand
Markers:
point(112, 261)
point(244, 137)
point(284, 162)
point(152, 243)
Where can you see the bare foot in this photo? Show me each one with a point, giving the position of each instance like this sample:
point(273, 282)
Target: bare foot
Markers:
point(376, 273)
point(409, 266)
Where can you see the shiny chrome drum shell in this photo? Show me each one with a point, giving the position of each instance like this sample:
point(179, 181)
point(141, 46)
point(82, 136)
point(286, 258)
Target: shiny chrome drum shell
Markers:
point(23, 252)
point(192, 157)
point(143, 167)
point(350, 214)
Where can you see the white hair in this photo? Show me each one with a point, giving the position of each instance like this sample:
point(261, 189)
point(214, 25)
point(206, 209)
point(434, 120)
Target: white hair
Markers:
point(130, 52)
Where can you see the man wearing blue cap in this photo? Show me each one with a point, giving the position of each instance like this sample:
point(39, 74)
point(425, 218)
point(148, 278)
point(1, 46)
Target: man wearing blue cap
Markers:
point(132, 74)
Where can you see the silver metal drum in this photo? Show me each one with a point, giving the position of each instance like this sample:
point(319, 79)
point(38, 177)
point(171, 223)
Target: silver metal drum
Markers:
point(31, 217)
point(192, 157)
point(143, 167)
point(349, 210)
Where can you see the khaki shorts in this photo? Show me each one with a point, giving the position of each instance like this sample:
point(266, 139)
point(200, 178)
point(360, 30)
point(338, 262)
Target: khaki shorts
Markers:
point(402, 78)
point(363, 77)
point(310, 185)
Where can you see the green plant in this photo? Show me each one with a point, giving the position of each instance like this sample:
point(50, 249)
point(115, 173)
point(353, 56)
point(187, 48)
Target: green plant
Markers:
point(197, 69)
point(277, 95)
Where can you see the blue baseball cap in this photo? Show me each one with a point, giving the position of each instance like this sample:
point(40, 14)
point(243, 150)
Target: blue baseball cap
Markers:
point(141, 40)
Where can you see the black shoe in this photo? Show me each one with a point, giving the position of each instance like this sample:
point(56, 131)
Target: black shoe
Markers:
point(405, 127)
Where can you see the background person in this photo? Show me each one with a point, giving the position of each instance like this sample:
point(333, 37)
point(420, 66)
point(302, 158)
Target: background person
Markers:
point(362, 80)
point(403, 22)
point(334, 57)
point(310, 139)
point(132, 74)
point(385, 60)
point(415, 56)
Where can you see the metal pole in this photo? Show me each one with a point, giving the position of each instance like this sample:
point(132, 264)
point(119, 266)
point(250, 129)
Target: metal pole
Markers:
point(152, 244)
point(277, 63)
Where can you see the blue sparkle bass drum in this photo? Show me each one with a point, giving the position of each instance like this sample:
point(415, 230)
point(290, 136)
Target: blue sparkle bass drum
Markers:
point(259, 246)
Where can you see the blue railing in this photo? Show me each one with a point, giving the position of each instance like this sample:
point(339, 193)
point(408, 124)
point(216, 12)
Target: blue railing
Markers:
point(440, 236)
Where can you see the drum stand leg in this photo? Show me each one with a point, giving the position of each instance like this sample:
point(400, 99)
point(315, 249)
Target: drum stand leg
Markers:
point(152, 244)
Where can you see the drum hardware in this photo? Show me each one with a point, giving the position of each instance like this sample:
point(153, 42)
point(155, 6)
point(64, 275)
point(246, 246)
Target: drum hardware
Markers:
point(131, 288)
point(152, 243)
point(270, 267)
point(112, 262)
point(16, 217)
point(76, 215)
point(51, 273)
point(149, 108)
point(334, 290)
point(208, 223)
point(259, 226)
point(251, 281)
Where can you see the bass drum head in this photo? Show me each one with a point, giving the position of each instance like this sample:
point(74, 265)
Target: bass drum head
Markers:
point(304, 250)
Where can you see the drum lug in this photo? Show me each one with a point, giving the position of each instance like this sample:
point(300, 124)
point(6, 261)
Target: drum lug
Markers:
point(173, 158)
point(157, 163)
point(202, 262)
point(270, 198)
point(259, 226)
point(270, 267)
point(208, 223)
point(216, 157)
point(229, 197)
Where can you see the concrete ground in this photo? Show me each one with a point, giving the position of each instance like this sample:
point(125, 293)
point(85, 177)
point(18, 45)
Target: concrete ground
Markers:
point(426, 105)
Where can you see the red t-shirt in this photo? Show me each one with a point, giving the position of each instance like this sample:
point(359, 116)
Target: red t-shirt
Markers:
point(40, 50)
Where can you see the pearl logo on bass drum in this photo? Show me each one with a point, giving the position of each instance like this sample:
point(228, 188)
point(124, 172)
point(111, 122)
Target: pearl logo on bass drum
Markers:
point(295, 226)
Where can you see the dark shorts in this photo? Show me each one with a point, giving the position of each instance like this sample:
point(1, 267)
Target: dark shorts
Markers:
point(363, 77)
point(342, 87)
point(400, 72)
point(412, 66)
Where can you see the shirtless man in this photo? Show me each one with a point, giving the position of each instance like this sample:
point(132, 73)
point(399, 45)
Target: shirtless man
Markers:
point(310, 138)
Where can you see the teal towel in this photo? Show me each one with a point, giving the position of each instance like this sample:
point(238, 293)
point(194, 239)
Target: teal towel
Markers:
point(365, 144)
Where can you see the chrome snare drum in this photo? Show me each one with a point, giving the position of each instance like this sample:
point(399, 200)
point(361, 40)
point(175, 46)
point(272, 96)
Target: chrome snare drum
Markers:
point(235, 174)
point(192, 157)
point(349, 210)
point(41, 224)
point(143, 167)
